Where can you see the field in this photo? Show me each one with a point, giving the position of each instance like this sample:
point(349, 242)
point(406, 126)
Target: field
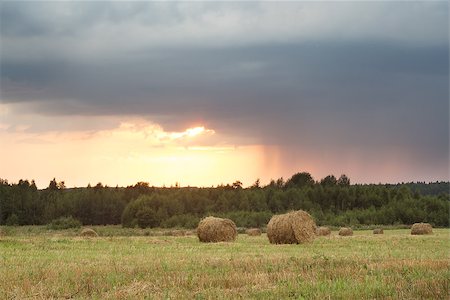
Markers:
point(124, 264)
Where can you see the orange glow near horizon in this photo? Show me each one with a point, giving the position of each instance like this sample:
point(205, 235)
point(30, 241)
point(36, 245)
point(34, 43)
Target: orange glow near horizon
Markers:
point(126, 150)
point(134, 151)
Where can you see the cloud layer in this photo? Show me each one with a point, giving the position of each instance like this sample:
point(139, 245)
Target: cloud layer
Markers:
point(362, 81)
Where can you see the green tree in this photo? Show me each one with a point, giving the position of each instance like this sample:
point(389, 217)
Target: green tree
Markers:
point(237, 185)
point(147, 217)
point(12, 220)
point(343, 180)
point(300, 180)
point(329, 180)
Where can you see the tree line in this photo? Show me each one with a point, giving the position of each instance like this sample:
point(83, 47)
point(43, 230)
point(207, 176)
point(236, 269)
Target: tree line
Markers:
point(331, 201)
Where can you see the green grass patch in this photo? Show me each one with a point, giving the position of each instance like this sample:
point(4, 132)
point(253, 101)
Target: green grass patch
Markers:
point(41, 263)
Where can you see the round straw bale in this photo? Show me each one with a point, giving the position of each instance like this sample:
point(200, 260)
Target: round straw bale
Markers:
point(88, 232)
point(212, 230)
point(292, 228)
point(323, 231)
point(421, 228)
point(378, 231)
point(253, 231)
point(345, 231)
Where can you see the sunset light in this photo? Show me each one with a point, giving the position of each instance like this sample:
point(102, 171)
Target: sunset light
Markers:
point(195, 131)
point(224, 149)
point(191, 132)
point(219, 93)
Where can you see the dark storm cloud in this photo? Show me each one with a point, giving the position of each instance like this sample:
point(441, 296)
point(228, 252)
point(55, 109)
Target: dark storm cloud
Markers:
point(28, 19)
point(339, 80)
point(308, 78)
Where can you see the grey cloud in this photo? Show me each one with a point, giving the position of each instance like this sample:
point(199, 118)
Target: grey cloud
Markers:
point(310, 75)
point(367, 88)
point(37, 19)
point(131, 26)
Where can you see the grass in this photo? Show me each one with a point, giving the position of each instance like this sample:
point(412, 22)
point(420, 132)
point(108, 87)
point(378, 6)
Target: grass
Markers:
point(44, 264)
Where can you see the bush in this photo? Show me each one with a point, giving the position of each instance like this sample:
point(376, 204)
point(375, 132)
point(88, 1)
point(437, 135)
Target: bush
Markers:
point(64, 223)
point(145, 212)
point(146, 217)
point(248, 219)
point(182, 221)
point(12, 220)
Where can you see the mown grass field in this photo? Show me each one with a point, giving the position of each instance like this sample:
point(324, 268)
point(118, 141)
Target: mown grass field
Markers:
point(40, 264)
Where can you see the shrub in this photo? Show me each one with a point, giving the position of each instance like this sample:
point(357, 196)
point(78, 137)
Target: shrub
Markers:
point(248, 219)
point(64, 223)
point(12, 220)
point(146, 217)
point(183, 221)
point(145, 211)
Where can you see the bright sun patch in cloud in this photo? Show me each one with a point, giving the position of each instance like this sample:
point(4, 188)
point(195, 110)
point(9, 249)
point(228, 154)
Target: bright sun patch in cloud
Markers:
point(196, 131)
point(190, 132)
point(156, 135)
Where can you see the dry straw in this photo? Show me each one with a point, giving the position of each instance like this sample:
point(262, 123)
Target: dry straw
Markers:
point(345, 231)
point(378, 231)
point(88, 232)
point(421, 228)
point(175, 233)
point(292, 228)
point(191, 232)
point(212, 230)
point(323, 231)
point(253, 231)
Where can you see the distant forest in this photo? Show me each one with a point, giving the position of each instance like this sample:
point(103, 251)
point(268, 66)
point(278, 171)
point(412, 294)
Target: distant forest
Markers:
point(331, 201)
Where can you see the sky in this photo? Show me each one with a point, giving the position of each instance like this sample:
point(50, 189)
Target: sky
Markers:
point(205, 93)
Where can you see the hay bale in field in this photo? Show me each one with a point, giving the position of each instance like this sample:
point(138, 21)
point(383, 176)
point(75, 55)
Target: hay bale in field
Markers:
point(421, 228)
point(212, 230)
point(378, 231)
point(323, 231)
point(88, 232)
point(345, 231)
point(292, 228)
point(253, 231)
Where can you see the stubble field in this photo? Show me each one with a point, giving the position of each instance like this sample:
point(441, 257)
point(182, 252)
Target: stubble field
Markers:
point(40, 264)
